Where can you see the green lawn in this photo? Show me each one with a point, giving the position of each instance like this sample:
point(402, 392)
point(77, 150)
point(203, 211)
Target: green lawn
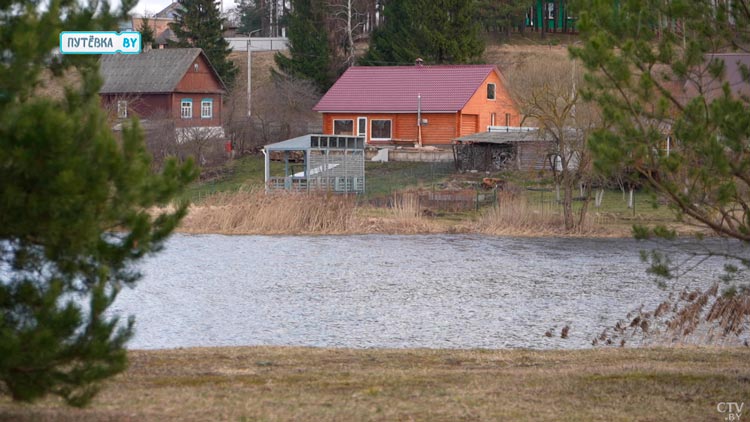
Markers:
point(243, 173)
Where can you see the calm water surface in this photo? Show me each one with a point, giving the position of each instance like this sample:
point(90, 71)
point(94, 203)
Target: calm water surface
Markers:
point(437, 291)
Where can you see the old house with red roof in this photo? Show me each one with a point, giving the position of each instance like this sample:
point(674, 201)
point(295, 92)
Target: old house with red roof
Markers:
point(426, 105)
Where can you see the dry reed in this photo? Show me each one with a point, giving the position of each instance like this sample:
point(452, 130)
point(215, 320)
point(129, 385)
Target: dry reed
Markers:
point(515, 216)
point(405, 216)
point(255, 212)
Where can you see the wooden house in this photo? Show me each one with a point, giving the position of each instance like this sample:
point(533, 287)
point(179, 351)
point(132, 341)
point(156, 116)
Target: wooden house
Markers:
point(177, 84)
point(427, 105)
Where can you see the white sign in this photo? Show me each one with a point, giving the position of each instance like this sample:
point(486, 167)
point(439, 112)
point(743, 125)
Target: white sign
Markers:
point(732, 411)
point(100, 42)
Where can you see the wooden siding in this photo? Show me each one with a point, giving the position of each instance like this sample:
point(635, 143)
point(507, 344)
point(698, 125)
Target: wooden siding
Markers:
point(440, 128)
point(145, 106)
point(196, 120)
point(203, 80)
point(469, 124)
point(502, 104)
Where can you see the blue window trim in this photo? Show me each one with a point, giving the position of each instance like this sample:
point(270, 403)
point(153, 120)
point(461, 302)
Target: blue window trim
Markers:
point(207, 100)
point(186, 100)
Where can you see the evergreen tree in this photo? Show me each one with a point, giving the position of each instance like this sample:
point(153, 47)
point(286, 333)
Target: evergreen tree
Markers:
point(252, 16)
point(674, 120)
point(199, 24)
point(309, 54)
point(497, 15)
point(147, 33)
point(438, 31)
point(74, 207)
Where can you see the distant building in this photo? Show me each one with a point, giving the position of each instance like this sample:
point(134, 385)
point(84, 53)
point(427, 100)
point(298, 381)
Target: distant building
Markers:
point(159, 23)
point(427, 105)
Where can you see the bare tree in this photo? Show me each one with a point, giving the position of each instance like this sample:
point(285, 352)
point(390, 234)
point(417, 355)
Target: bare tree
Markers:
point(284, 110)
point(545, 89)
point(348, 24)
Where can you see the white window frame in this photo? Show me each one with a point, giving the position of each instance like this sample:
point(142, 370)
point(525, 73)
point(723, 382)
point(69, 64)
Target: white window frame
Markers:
point(207, 108)
point(494, 91)
point(122, 109)
point(362, 133)
point(372, 132)
point(493, 117)
point(343, 120)
point(186, 108)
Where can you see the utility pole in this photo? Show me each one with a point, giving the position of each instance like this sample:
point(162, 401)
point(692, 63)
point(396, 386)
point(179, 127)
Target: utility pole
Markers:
point(250, 72)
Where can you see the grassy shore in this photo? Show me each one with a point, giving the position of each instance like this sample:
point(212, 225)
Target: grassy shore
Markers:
point(234, 203)
point(306, 384)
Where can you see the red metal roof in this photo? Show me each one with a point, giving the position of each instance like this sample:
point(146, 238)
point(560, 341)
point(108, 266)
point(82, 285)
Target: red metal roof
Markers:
point(395, 88)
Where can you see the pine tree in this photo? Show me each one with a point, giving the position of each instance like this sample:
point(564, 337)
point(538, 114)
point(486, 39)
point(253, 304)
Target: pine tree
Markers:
point(199, 24)
point(438, 31)
point(147, 33)
point(678, 119)
point(253, 14)
point(503, 14)
point(394, 42)
point(309, 55)
point(74, 205)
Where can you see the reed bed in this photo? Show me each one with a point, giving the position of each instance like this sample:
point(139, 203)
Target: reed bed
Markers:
point(255, 212)
point(515, 216)
point(404, 216)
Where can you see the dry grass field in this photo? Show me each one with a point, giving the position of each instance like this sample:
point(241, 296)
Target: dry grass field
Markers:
point(307, 384)
point(247, 212)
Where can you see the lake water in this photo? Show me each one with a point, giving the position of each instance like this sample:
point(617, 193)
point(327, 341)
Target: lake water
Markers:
point(436, 291)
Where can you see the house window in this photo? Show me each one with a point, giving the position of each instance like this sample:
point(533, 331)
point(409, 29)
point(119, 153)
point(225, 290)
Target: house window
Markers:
point(381, 130)
point(362, 126)
point(492, 118)
point(122, 109)
point(551, 11)
point(207, 108)
point(186, 108)
point(490, 91)
point(343, 127)
point(507, 119)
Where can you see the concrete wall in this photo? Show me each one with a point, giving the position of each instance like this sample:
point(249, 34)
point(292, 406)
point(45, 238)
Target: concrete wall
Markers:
point(420, 155)
point(258, 44)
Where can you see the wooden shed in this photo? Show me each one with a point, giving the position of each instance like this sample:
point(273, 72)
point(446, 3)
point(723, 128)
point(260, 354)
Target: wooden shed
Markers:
point(425, 105)
point(504, 148)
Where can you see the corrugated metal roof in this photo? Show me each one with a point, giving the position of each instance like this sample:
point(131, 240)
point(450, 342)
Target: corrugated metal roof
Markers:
point(299, 143)
point(395, 88)
point(152, 71)
point(514, 136)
